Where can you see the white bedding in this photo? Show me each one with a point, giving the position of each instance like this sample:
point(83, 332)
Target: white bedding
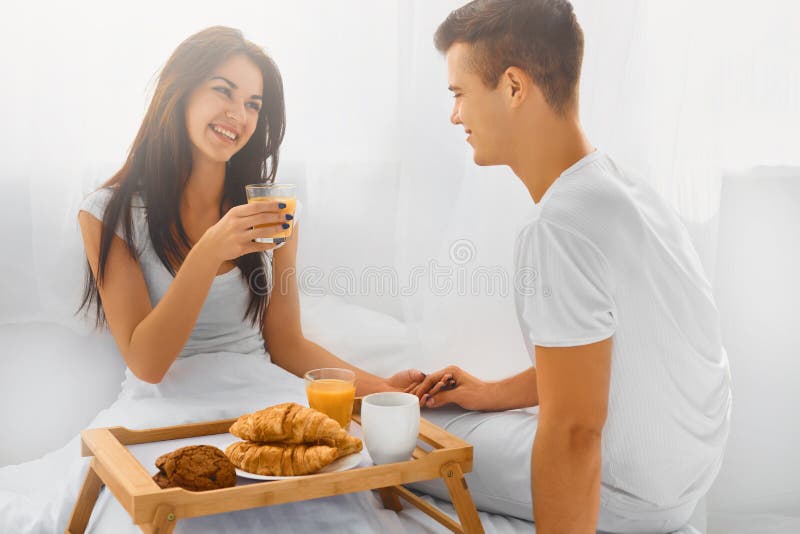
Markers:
point(38, 496)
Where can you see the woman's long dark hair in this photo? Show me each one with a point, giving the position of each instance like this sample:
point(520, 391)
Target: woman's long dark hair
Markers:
point(159, 162)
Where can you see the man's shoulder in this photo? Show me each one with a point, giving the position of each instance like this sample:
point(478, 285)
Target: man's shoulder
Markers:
point(590, 193)
point(597, 207)
point(594, 205)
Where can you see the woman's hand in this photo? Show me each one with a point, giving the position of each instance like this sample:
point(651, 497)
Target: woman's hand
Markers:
point(232, 236)
point(406, 380)
point(453, 385)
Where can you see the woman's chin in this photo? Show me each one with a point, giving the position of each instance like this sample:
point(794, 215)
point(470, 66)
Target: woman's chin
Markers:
point(215, 156)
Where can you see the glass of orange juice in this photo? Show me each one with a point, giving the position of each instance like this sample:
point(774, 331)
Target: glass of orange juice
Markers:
point(285, 193)
point(332, 391)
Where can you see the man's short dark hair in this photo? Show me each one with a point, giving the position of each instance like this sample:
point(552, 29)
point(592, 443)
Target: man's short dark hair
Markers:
point(542, 37)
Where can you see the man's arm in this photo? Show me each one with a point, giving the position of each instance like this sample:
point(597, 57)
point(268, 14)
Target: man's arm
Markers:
point(573, 385)
point(518, 391)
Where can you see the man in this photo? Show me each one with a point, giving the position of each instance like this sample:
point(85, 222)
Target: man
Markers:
point(630, 375)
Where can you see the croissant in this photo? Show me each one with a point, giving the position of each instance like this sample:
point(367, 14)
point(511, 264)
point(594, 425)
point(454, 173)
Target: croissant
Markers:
point(277, 459)
point(348, 445)
point(291, 423)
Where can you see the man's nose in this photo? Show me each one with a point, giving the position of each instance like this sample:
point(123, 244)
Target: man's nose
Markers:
point(455, 116)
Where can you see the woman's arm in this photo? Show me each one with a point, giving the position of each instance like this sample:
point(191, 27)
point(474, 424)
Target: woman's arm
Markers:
point(149, 338)
point(283, 333)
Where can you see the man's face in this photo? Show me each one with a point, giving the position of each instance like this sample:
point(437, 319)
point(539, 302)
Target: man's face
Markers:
point(484, 113)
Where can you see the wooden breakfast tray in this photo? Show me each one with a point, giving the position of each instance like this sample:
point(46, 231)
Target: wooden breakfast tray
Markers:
point(156, 510)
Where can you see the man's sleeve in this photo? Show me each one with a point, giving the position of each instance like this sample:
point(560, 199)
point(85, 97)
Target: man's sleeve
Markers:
point(569, 300)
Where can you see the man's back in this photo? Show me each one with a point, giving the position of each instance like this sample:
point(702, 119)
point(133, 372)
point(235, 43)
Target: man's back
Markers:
point(609, 256)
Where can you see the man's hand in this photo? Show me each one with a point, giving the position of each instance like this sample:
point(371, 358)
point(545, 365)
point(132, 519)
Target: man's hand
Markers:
point(453, 385)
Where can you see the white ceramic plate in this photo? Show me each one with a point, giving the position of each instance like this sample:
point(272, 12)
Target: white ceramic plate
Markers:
point(342, 464)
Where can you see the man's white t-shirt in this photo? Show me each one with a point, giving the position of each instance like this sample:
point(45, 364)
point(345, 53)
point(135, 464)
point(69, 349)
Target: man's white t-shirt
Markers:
point(606, 256)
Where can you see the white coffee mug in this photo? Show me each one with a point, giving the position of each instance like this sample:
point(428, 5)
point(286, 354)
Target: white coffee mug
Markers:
point(390, 421)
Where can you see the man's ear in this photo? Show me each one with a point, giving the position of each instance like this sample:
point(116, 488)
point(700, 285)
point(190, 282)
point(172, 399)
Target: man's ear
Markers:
point(517, 85)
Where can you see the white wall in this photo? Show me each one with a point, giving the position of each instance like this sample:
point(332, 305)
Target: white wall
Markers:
point(757, 286)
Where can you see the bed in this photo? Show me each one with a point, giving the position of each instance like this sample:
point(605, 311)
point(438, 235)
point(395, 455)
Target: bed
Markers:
point(37, 496)
point(59, 376)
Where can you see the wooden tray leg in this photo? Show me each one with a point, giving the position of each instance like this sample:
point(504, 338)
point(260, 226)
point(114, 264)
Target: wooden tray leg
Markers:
point(163, 521)
point(429, 509)
point(85, 503)
point(390, 499)
point(459, 494)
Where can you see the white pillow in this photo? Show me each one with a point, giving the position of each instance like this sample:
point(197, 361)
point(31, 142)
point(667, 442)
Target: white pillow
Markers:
point(54, 382)
point(373, 341)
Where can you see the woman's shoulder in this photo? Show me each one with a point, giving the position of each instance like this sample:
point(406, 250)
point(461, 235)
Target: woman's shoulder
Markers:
point(96, 203)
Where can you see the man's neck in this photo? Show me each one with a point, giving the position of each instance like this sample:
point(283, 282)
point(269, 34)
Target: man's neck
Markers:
point(540, 159)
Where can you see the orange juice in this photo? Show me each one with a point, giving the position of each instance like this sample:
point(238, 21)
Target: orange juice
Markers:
point(333, 397)
point(291, 204)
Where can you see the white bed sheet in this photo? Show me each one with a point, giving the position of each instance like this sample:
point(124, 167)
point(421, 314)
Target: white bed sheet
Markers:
point(339, 514)
point(38, 496)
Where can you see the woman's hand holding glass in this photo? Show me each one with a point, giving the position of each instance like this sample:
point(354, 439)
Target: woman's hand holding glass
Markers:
point(232, 236)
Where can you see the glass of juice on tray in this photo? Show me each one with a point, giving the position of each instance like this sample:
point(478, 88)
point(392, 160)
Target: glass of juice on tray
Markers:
point(332, 391)
point(281, 193)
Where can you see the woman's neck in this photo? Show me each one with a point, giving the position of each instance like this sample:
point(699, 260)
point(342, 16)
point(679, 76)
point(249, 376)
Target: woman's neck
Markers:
point(203, 190)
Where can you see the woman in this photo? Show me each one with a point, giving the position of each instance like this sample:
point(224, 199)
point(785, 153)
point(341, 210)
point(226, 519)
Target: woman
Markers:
point(183, 289)
point(189, 279)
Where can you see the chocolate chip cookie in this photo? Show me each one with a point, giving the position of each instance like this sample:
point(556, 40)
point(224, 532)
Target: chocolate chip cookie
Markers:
point(195, 468)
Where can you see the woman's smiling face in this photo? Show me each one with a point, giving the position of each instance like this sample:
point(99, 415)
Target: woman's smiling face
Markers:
point(222, 113)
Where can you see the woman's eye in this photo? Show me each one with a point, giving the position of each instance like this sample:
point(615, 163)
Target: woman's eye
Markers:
point(253, 105)
point(224, 90)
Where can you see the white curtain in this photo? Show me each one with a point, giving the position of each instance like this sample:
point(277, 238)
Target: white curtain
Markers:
point(397, 218)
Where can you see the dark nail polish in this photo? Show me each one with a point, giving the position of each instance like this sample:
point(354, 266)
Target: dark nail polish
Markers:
point(289, 216)
point(281, 205)
point(285, 226)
